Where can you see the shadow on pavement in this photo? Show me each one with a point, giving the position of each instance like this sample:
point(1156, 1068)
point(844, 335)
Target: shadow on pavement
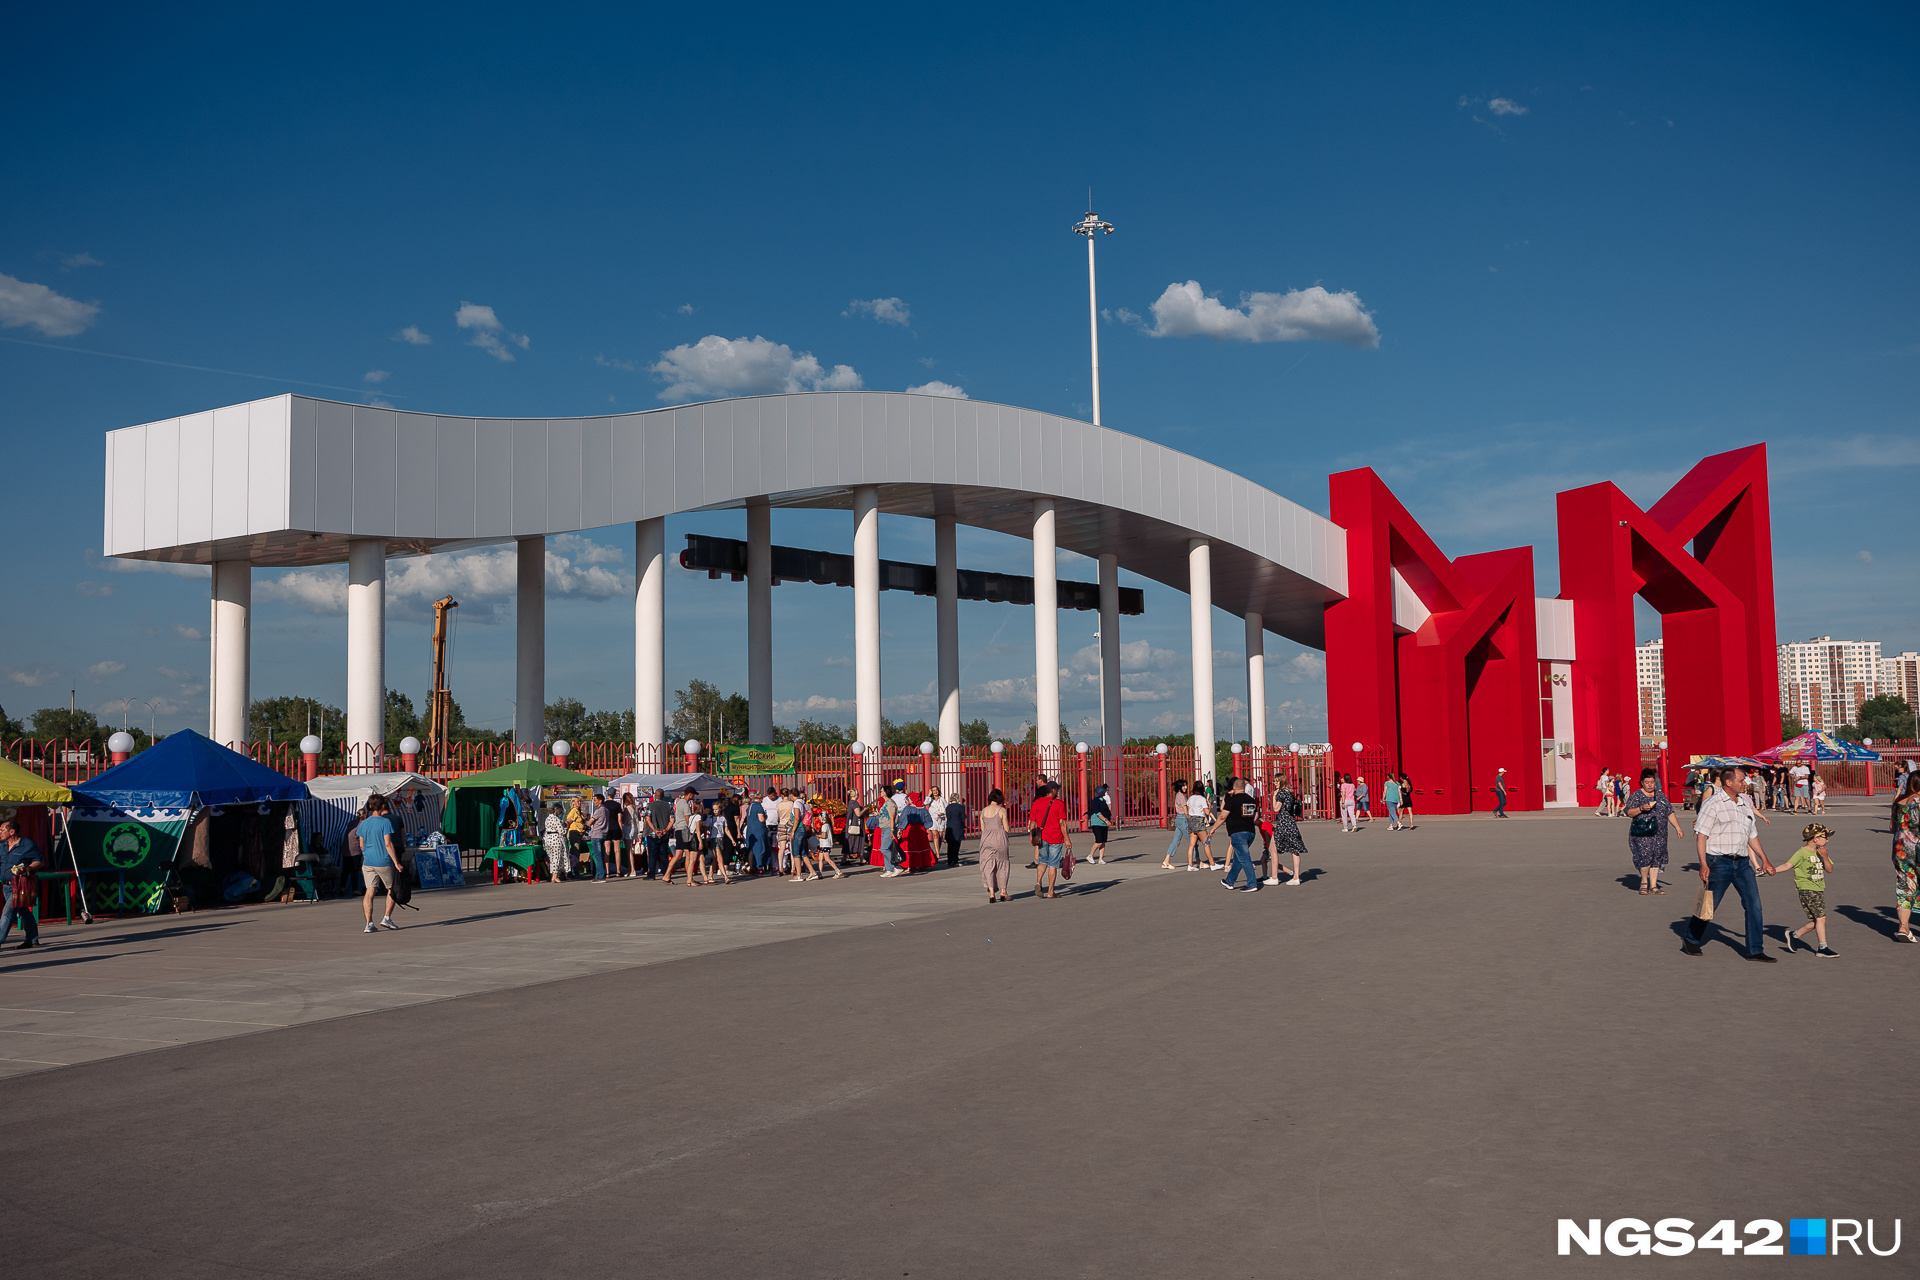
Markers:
point(1881, 920)
point(49, 964)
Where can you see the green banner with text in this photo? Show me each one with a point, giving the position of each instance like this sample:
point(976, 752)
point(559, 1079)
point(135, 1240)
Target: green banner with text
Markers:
point(745, 759)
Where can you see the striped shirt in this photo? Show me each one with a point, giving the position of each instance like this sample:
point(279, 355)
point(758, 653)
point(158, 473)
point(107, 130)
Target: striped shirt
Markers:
point(1726, 823)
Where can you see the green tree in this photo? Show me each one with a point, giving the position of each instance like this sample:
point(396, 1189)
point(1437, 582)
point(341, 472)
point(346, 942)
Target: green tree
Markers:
point(702, 712)
point(813, 731)
point(401, 720)
point(291, 719)
point(50, 724)
point(975, 733)
point(9, 727)
point(910, 734)
point(458, 730)
point(568, 719)
point(1886, 718)
point(1033, 735)
point(1790, 727)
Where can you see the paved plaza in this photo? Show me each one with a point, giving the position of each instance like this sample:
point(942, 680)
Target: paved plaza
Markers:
point(1411, 1066)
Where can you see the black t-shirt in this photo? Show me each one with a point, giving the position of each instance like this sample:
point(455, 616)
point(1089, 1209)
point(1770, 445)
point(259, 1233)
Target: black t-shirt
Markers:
point(660, 814)
point(1242, 812)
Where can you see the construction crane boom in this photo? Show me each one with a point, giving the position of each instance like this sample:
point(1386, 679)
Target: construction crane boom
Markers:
point(440, 709)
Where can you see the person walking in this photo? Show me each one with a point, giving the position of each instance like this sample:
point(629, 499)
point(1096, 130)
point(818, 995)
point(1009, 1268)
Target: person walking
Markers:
point(597, 826)
point(1810, 864)
point(1391, 794)
point(657, 821)
point(20, 863)
point(379, 859)
point(1730, 853)
point(1179, 841)
point(1049, 818)
point(1819, 785)
point(553, 836)
point(1500, 793)
point(1605, 788)
point(1906, 856)
point(1099, 819)
point(996, 857)
point(855, 834)
point(1348, 822)
point(1198, 812)
point(1287, 809)
point(956, 827)
point(1362, 800)
point(1239, 814)
point(1651, 814)
point(887, 816)
point(1406, 801)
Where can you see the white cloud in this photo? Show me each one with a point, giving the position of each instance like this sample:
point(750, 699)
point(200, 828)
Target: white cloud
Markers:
point(411, 334)
point(489, 334)
point(32, 679)
point(101, 670)
point(171, 674)
point(57, 316)
point(686, 308)
point(928, 361)
point(94, 588)
point(1506, 107)
point(81, 260)
point(717, 366)
point(1298, 315)
point(375, 375)
point(1866, 557)
point(937, 388)
point(1301, 668)
point(625, 366)
point(186, 632)
point(812, 707)
point(839, 660)
point(885, 310)
point(576, 567)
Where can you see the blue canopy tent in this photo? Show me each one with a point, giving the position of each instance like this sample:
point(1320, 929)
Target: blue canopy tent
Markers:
point(129, 823)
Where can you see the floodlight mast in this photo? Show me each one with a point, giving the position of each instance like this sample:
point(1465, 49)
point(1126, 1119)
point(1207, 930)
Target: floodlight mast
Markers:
point(1088, 227)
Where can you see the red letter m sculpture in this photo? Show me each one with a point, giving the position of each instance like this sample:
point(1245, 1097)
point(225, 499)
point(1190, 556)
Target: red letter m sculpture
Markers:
point(1716, 606)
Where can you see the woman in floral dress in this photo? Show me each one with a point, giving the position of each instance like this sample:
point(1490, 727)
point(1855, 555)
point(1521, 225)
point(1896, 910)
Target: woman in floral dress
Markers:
point(1650, 851)
point(1906, 856)
point(1286, 834)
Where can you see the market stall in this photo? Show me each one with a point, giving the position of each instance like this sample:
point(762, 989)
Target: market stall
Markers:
point(705, 785)
point(213, 817)
point(481, 806)
point(28, 800)
point(415, 804)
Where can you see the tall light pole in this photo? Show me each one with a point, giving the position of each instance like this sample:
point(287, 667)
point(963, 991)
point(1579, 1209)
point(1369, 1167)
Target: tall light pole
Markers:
point(1088, 227)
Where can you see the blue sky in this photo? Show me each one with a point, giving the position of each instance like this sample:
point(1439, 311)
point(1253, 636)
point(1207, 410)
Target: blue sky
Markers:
point(1594, 243)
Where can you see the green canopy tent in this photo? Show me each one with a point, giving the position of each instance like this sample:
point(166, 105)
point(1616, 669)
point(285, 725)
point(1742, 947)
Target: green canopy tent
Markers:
point(471, 818)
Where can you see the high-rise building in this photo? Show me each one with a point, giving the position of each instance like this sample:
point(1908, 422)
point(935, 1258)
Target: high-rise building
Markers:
point(1901, 677)
point(1649, 664)
point(1823, 681)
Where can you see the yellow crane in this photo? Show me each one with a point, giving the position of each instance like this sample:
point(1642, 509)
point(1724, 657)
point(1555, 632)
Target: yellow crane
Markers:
point(440, 705)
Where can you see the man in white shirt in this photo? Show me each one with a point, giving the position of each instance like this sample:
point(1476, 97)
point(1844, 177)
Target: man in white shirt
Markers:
point(1730, 854)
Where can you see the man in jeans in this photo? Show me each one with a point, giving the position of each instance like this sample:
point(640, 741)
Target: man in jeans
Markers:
point(1730, 853)
point(1240, 815)
point(659, 823)
point(18, 851)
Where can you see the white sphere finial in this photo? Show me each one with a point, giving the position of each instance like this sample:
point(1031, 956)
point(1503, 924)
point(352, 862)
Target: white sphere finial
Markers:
point(1160, 749)
point(926, 748)
point(310, 745)
point(859, 748)
point(997, 746)
point(1866, 742)
point(1358, 747)
point(121, 742)
point(1294, 747)
point(563, 748)
point(409, 746)
point(1080, 747)
point(1236, 748)
point(691, 746)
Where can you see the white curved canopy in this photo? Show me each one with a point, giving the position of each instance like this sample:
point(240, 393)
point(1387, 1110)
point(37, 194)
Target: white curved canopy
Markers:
point(292, 480)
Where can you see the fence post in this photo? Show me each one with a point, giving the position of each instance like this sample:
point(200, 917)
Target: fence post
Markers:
point(1160, 754)
point(999, 750)
point(1080, 749)
point(926, 769)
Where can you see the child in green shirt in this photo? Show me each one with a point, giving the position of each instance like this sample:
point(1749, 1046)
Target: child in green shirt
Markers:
point(1810, 864)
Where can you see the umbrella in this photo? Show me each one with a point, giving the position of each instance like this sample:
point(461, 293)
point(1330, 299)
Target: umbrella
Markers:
point(1722, 762)
point(1816, 746)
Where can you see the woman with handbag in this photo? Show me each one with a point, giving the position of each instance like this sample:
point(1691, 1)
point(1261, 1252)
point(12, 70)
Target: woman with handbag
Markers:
point(1049, 818)
point(1286, 833)
point(1180, 840)
point(1650, 813)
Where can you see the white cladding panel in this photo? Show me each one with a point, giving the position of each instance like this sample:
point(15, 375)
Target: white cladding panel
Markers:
point(1553, 630)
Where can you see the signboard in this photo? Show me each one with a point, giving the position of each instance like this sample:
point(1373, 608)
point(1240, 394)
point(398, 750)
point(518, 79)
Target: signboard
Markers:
point(130, 850)
point(745, 759)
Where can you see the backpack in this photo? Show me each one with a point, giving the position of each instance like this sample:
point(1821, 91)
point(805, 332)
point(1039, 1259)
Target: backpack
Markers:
point(401, 894)
point(1295, 809)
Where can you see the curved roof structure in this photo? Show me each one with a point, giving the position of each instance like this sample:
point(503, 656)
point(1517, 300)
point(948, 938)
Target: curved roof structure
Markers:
point(292, 480)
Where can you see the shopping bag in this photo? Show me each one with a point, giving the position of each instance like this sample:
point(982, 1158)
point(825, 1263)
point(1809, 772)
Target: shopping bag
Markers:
point(1703, 905)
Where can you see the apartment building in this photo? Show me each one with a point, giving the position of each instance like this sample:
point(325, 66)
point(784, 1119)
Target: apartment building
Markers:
point(1649, 664)
point(1823, 681)
point(1901, 676)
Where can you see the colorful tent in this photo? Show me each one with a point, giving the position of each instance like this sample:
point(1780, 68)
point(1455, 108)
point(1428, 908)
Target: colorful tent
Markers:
point(1815, 746)
point(185, 770)
point(1722, 762)
point(525, 773)
point(18, 786)
point(472, 815)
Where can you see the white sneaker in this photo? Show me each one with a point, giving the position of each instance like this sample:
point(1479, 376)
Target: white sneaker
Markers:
point(1296, 880)
point(1271, 880)
point(370, 928)
point(386, 922)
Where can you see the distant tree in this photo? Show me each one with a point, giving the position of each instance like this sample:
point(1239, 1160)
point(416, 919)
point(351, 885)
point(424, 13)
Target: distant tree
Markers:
point(50, 724)
point(975, 733)
point(1885, 719)
point(566, 719)
point(9, 727)
point(1033, 735)
point(702, 712)
point(1172, 740)
point(1790, 727)
point(458, 730)
point(813, 731)
point(291, 719)
point(910, 734)
point(401, 720)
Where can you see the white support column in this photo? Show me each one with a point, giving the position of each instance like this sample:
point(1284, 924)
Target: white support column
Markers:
point(866, 626)
point(1256, 686)
point(1112, 726)
point(1200, 602)
point(1046, 638)
point(231, 656)
point(366, 653)
point(946, 611)
point(650, 644)
point(530, 642)
point(759, 621)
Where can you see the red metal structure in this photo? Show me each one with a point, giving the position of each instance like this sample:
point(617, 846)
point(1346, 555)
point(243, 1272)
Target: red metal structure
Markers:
point(1715, 598)
point(1450, 697)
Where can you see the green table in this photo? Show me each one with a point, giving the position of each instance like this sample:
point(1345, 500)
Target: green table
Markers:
point(518, 855)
